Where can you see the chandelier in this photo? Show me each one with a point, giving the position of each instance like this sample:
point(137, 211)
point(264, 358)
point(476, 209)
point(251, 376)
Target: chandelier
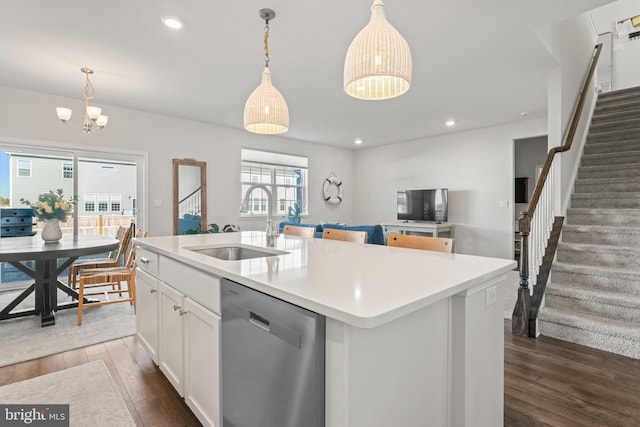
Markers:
point(378, 63)
point(266, 110)
point(93, 118)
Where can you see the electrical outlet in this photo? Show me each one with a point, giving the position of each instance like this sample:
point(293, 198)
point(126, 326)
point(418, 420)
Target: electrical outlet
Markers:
point(490, 296)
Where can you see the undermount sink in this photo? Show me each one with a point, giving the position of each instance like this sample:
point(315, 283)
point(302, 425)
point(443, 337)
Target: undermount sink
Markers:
point(236, 252)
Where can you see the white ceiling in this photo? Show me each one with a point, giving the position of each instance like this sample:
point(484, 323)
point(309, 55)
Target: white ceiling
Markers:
point(478, 62)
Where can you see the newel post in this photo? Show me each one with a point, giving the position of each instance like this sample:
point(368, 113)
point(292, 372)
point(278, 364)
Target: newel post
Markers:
point(520, 316)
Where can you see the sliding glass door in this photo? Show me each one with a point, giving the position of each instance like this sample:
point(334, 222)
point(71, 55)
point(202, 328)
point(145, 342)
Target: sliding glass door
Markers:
point(106, 185)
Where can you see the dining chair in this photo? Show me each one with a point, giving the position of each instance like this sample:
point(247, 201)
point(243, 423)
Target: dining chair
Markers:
point(439, 244)
point(345, 235)
point(114, 259)
point(92, 278)
point(294, 230)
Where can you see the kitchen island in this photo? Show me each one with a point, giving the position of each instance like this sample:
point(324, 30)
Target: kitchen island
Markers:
point(413, 337)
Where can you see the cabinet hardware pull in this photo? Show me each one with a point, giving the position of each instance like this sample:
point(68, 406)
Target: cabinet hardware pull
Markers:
point(153, 291)
point(144, 260)
point(176, 307)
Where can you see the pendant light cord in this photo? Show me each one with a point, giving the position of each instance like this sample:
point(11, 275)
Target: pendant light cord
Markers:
point(266, 42)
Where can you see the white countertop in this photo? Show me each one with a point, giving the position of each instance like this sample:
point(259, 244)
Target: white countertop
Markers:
point(359, 284)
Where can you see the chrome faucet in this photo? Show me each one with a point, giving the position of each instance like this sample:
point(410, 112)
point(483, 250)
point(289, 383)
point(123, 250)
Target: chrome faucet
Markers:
point(272, 233)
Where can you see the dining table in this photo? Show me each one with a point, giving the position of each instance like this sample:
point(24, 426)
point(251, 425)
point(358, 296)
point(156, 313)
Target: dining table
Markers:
point(18, 251)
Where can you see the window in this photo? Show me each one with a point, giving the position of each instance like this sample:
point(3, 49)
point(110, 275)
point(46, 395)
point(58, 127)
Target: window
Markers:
point(67, 170)
point(283, 175)
point(103, 202)
point(116, 202)
point(89, 202)
point(24, 167)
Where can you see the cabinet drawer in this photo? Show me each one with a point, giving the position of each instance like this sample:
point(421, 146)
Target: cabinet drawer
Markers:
point(201, 287)
point(17, 220)
point(147, 261)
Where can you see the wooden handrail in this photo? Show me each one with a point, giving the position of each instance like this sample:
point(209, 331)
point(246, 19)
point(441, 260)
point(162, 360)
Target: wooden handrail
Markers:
point(520, 319)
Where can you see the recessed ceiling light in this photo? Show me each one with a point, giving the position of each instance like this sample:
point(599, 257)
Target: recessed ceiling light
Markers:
point(172, 22)
point(450, 123)
point(357, 141)
point(524, 114)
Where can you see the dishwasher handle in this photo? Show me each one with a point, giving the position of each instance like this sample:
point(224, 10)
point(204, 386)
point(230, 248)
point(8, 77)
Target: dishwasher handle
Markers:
point(259, 321)
point(274, 328)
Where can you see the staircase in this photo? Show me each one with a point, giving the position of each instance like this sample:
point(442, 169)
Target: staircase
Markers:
point(593, 297)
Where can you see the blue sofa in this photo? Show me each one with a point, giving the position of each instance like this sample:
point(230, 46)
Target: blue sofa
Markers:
point(189, 222)
point(375, 233)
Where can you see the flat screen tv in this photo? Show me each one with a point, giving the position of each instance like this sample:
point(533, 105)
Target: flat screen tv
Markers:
point(423, 205)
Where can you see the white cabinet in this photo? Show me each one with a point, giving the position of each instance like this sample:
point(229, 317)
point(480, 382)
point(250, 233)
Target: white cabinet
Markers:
point(171, 337)
point(147, 312)
point(178, 317)
point(202, 363)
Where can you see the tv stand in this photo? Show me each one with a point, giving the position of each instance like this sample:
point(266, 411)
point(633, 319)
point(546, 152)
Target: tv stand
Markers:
point(426, 228)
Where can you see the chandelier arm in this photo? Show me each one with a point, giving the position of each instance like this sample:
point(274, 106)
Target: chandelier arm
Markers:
point(88, 88)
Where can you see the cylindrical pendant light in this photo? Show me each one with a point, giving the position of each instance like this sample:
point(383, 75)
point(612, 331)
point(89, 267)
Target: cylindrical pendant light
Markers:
point(378, 63)
point(266, 111)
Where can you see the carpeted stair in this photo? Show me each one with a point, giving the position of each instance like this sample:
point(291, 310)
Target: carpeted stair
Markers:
point(593, 297)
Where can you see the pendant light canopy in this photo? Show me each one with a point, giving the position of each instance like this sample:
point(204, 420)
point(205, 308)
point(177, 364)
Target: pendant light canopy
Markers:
point(266, 111)
point(378, 64)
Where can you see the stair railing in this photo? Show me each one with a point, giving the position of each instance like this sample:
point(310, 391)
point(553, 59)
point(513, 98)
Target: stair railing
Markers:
point(191, 204)
point(536, 222)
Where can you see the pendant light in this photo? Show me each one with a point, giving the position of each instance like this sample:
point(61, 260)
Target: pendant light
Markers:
point(378, 64)
point(266, 111)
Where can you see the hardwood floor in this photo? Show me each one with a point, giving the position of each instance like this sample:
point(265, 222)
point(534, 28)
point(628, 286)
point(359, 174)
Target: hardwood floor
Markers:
point(547, 383)
point(150, 398)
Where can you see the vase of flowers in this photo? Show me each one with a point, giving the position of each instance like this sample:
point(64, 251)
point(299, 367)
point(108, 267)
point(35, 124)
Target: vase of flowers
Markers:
point(51, 208)
point(51, 233)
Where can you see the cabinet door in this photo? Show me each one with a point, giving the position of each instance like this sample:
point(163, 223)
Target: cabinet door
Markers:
point(171, 336)
point(147, 312)
point(202, 363)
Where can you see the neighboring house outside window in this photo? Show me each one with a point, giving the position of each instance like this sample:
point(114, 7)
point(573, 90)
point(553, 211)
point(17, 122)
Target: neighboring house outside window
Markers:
point(24, 168)
point(116, 202)
point(284, 175)
point(103, 202)
point(89, 202)
point(67, 170)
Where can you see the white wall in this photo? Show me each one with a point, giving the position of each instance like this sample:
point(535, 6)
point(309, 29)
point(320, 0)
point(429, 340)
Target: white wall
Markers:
point(476, 166)
point(572, 43)
point(31, 116)
point(626, 53)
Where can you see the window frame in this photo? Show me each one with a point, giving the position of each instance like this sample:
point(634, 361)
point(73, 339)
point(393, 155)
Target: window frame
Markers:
point(67, 170)
point(18, 168)
point(89, 198)
point(274, 168)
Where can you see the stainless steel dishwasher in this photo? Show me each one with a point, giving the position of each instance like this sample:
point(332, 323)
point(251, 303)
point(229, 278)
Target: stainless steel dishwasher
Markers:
point(272, 361)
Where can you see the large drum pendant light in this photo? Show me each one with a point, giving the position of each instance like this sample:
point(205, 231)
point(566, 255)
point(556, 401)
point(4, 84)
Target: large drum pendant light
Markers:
point(378, 64)
point(266, 111)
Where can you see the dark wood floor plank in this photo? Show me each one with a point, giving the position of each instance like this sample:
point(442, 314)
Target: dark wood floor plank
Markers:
point(75, 357)
point(38, 367)
point(7, 374)
point(548, 383)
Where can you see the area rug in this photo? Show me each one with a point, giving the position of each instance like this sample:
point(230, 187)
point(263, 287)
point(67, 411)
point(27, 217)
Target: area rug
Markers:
point(89, 390)
point(25, 339)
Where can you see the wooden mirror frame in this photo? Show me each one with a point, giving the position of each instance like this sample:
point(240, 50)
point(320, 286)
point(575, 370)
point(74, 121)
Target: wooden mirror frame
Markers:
point(176, 189)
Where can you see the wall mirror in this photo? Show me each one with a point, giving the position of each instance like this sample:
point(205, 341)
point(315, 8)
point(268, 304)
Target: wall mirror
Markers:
point(189, 196)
